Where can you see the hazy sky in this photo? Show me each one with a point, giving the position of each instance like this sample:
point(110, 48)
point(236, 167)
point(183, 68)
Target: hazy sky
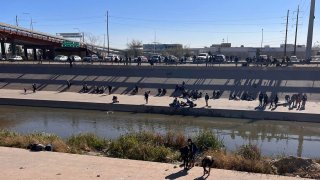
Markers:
point(195, 23)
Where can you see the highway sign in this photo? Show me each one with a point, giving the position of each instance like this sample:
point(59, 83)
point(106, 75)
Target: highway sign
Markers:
point(70, 44)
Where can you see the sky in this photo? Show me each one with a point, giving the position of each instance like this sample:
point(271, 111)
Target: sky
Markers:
point(193, 23)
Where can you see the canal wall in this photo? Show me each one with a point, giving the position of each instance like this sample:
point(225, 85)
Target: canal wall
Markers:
point(235, 80)
point(227, 113)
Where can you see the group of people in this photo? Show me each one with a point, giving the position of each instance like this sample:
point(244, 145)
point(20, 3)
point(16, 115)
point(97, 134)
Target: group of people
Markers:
point(264, 100)
point(96, 89)
point(177, 104)
point(296, 101)
point(162, 92)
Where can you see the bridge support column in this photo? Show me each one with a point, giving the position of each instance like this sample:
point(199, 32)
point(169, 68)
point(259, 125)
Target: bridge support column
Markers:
point(34, 52)
point(44, 54)
point(3, 49)
point(26, 53)
point(13, 49)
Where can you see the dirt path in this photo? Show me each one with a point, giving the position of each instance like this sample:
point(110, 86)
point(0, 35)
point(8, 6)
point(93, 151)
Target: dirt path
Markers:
point(19, 164)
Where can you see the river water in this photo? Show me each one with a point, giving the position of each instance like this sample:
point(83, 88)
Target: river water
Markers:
point(273, 137)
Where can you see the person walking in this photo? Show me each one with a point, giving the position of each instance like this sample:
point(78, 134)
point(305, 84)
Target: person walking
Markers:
point(207, 99)
point(146, 97)
point(260, 99)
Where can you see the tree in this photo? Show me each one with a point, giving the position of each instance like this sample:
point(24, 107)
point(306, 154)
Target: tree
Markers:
point(135, 48)
point(92, 39)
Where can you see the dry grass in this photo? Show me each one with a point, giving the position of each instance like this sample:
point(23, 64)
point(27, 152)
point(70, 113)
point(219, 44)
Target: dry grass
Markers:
point(239, 163)
point(12, 139)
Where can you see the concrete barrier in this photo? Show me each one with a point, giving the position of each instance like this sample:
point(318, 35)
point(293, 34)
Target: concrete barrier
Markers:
point(246, 114)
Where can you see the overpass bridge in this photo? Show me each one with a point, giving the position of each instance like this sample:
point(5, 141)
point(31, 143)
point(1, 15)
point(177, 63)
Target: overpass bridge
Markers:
point(49, 44)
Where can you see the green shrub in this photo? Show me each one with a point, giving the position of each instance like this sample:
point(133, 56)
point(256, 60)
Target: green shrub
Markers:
point(208, 140)
point(251, 152)
point(140, 146)
point(86, 142)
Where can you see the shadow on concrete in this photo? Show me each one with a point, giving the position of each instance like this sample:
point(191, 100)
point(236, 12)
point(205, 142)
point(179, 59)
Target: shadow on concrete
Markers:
point(177, 175)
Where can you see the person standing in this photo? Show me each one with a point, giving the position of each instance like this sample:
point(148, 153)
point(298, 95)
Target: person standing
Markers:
point(207, 99)
point(276, 101)
point(192, 151)
point(34, 87)
point(260, 99)
point(109, 89)
point(146, 97)
point(265, 100)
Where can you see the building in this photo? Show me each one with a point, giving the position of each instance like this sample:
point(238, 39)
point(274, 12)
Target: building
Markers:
point(159, 48)
point(244, 52)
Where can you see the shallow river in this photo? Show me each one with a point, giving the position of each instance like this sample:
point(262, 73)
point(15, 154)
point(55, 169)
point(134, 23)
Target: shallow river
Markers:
point(273, 137)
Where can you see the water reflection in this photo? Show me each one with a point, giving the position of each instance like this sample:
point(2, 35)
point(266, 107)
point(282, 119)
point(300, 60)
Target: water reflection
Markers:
point(274, 137)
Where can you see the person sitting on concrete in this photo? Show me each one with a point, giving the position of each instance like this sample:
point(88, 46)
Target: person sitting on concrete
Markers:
point(68, 84)
point(175, 103)
point(159, 92)
point(218, 95)
point(85, 88)
point(102, 89)
point(191, 103)
point(97, 89)
point(115, 99)
point(164, 92)
point(135, 90)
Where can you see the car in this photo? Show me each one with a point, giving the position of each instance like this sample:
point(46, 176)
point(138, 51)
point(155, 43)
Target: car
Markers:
point(16, 58)
point(220, 58)
point(61, 58)
point(91, 58)
point(202, 56)
point(112, 57)
point(75, 58)
point(143, 59)
point(172, 59)
point(156, 59)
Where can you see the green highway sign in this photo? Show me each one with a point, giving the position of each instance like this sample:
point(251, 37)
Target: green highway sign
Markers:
point(71, 44)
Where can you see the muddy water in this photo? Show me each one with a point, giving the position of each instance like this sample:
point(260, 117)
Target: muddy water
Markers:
point(273, 137)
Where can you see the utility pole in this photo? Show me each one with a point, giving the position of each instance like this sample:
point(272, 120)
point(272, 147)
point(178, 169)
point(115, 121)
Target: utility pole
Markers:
point(262, 39)
point(104, 43)
point(31, 24)
point(17, 24)
point(295, 41)
point(285, 45)
point(310, 30)
point(108, 32)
